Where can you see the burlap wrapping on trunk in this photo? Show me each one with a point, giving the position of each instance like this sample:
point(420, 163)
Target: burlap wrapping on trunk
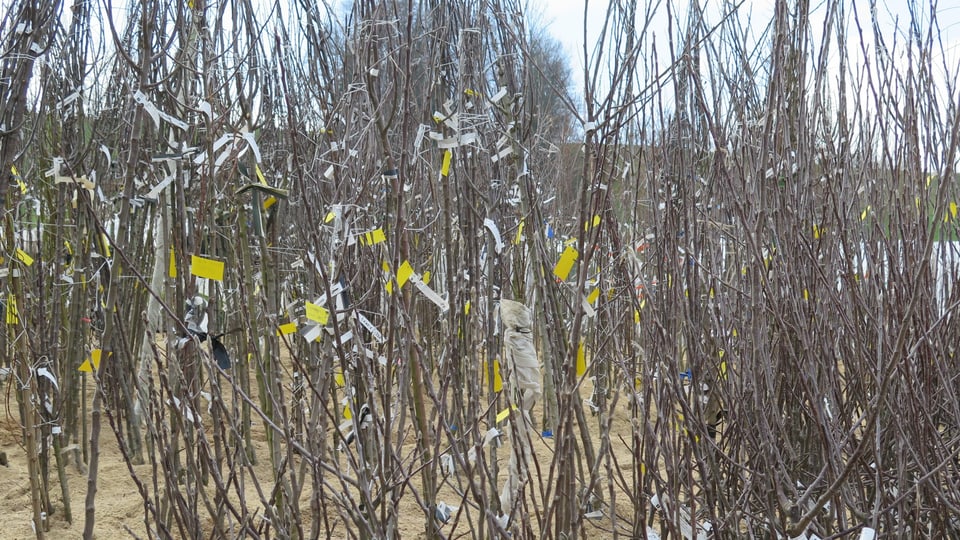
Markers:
point(522, 377)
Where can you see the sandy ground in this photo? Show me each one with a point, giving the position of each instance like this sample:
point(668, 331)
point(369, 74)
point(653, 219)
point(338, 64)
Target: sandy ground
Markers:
point(118, 502)
point(120, 509)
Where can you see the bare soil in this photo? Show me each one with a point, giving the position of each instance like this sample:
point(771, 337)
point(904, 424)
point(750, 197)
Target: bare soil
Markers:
point(120, 508)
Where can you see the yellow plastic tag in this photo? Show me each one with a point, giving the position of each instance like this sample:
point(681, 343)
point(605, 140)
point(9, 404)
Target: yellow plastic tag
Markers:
point(12, 313)
point(565, 264)
point(93, 363)
point(445, 167)
point(592, 298)
point(404, 273)
point(581, 361)
point(317, 313)
point(24, 257)
point(373, 237)
point(504, 414)
point(172, 270)
point(206, 268)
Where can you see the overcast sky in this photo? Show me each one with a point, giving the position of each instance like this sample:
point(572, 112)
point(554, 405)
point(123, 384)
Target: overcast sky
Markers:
point(565, 19)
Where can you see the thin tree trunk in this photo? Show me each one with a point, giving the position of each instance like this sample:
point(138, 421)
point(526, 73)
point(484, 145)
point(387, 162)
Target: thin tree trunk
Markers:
point(89, 514)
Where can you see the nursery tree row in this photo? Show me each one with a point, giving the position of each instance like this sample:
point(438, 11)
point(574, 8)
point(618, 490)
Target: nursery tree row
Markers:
point(261, 246)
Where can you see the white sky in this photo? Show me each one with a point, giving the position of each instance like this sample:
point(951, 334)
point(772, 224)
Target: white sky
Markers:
point(565, 17)
point(564, 20)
